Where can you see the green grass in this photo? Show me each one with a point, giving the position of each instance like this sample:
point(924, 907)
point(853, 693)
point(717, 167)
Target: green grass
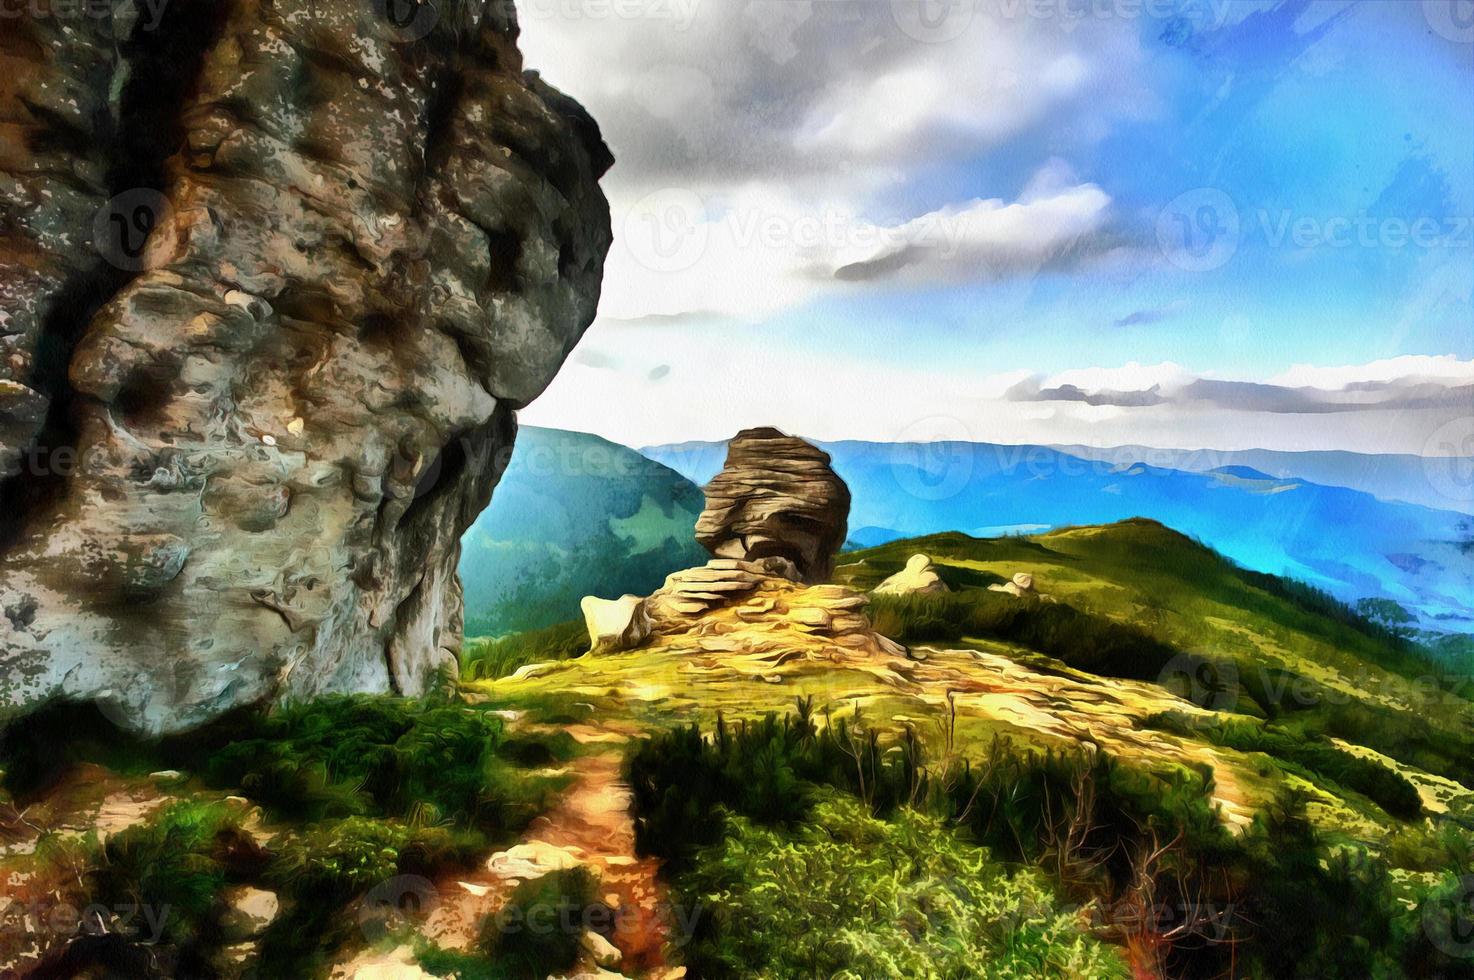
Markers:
point(1312, 757)
point(489, 659)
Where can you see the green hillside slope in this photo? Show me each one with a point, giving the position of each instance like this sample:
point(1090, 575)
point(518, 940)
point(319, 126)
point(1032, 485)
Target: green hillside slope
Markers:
point(574, 515)
point(1299, 769)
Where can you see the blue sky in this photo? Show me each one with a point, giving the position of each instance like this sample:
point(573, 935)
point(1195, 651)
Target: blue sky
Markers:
point(874, 219)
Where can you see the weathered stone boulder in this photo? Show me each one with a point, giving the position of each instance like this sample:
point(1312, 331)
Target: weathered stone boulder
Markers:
point(248, 912)
point(776, 497)
point(615, 624)
point(919, 577)
point(274, 278)
point(1021, 584)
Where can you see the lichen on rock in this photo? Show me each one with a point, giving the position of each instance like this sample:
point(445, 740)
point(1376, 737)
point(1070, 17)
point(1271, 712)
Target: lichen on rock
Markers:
point(274, 278)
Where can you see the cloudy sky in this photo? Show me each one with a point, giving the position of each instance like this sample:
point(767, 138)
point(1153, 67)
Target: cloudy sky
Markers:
point(1185, 223)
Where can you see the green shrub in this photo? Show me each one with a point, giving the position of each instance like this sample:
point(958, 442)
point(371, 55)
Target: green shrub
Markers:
point(325, 871)
point(175, 863)
point(362, 755)
point(764, 771)
point(538, 932)
point(851, 895)
point(489, 659)
point(740, 818)
point(1080, 639)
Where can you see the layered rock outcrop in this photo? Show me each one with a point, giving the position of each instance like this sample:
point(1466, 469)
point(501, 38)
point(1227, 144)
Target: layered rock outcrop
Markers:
point(754, 617)
point(776, 497)
point(274, 277)
point(774, 518)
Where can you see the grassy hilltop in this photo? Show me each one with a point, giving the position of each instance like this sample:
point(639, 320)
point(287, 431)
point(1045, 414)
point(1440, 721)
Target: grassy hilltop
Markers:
point(1289, 749)
point(1157, 764)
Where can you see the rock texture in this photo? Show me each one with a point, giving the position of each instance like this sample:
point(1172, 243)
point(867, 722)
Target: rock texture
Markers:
point(919, 577)
point(274, 276)
point(1021, 584)
point(776, 497)
point(755, 617)
point(615, 624)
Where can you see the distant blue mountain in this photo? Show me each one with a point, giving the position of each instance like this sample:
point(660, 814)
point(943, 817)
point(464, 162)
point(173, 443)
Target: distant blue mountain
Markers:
point(1390, 476)
point(1346, 541)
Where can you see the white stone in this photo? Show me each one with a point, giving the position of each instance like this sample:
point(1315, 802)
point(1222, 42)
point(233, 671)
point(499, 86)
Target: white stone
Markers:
point(605, 953)
point(615, 624)
point(248, 912)
point(919, 577)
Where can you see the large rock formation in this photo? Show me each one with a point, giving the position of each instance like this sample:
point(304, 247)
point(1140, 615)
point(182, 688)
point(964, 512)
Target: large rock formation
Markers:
point(754, 617)
point(776, 497)
point(274, 276)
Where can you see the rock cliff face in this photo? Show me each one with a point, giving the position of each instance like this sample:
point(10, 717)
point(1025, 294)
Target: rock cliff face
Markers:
point(776, 497)
point(274, 276)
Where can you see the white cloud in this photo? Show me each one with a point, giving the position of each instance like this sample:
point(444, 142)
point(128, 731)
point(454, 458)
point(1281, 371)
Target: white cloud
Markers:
point(779, 119)
point(832, 395)
point(1408, 367)
point(759, 249)
point(1129, 377)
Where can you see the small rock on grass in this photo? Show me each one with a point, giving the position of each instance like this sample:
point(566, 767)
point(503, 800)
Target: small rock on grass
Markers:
point(605, 953)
